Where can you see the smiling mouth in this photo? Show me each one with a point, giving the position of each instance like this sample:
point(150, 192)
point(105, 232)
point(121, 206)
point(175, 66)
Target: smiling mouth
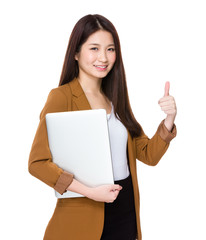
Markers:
point(101, 66)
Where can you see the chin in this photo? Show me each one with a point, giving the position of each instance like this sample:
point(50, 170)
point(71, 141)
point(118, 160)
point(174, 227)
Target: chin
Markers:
point(103, 74)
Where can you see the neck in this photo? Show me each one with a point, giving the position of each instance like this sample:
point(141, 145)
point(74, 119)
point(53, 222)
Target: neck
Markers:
point(90, 85)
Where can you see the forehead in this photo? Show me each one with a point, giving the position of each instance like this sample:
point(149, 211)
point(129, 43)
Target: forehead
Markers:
point(100, 37)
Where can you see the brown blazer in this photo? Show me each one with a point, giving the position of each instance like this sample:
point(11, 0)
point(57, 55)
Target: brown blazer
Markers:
point(83, 218)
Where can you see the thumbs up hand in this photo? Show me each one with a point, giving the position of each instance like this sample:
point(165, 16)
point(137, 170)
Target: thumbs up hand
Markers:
point(168, 105)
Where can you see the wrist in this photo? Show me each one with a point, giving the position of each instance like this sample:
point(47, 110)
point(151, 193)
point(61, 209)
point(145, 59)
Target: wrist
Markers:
point(169, 122)
point(88, 192)
point(171, 118)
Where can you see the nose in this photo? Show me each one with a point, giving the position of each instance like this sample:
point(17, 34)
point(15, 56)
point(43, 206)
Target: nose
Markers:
point(102, 56)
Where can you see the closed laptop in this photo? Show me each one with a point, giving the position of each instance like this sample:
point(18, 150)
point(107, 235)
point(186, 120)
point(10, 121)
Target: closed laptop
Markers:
point(79, 143)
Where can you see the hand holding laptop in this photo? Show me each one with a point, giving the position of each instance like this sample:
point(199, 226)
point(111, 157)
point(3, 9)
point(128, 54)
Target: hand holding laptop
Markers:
point(103, 193)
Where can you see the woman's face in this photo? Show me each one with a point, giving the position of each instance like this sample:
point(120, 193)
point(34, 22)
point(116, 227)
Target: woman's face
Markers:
point(97, 55)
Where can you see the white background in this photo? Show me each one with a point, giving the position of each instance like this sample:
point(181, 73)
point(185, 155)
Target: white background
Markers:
point(161, 41)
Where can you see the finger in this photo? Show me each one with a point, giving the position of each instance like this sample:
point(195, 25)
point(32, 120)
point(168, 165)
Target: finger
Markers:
point(170, 112)
point(116, 194)
point(167, 103)
point(167, 89)
point(116, 187)
point(167, 108)
point(165, 99)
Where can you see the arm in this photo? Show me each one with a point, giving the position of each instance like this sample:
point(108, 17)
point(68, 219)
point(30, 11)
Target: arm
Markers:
point(40, 163)
point(151, 150)
point(104, 193)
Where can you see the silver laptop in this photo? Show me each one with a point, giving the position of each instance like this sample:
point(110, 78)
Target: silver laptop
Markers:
point(79, 143)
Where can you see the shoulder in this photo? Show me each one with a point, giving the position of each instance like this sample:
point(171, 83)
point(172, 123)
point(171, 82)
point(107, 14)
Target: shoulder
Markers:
point(61, 94)
point(64, 91)
point(58, 100)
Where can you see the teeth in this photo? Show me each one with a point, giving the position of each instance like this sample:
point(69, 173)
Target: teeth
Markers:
point(101, 66)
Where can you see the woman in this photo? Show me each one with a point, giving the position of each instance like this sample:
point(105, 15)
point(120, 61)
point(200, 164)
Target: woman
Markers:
point(93, 77)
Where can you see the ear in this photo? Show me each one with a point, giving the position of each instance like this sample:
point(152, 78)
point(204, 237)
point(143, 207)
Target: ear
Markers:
point(76, 56)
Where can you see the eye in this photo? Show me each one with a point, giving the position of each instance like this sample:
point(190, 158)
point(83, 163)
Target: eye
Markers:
point(111, 49)
point(94, 48)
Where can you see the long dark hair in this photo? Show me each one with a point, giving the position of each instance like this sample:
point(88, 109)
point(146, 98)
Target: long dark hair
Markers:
point(114, 84)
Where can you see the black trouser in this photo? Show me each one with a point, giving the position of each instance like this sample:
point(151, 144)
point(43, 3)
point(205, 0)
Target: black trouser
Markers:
point(120, 217)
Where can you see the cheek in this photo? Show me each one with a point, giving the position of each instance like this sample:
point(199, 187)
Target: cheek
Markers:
point(113, 58)
point(90, 57)
point(86, 58)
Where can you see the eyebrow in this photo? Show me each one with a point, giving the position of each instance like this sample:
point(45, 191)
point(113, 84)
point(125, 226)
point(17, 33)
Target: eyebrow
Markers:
point(96, 44)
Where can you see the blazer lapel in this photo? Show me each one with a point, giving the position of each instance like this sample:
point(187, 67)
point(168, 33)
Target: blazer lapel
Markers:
point(79, 96)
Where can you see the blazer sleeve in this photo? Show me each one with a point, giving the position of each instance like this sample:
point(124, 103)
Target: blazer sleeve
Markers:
point(40, 163)
point(150, 151)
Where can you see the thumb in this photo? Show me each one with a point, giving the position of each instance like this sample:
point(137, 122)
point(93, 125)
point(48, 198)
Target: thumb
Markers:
point(167, 88)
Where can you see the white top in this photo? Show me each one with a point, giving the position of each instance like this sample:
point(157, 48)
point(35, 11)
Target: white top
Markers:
point(118, 142)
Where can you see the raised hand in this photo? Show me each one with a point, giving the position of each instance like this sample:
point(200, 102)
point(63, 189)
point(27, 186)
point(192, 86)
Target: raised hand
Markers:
point(168, 105)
